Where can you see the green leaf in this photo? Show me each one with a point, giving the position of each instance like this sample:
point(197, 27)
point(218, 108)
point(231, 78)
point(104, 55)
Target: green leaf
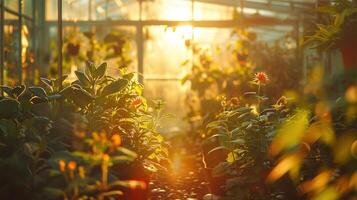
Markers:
point(129, 76)
point(217, 135)
point(90, 68)
point(7, 90)
point(82, 78)
point(114, 87)
point(47, 82)
point(38, 91)
point(18, 90)
point(237, 141)
point(100, 71)
point(217, 149)
point(9, 108)
point(81, 97)
point(127, 152)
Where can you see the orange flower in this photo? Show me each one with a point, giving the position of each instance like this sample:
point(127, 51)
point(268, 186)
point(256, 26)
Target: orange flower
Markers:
point(136, 102)
point(261, 78)
point(106, 158)
point(72, 165)
point(116, 139)
point(62, 165)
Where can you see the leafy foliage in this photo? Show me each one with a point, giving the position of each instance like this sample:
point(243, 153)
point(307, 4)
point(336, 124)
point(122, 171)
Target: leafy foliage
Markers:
point(77, 142)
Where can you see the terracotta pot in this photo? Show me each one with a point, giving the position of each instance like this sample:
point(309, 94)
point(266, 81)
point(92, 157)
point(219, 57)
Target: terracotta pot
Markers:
point(349, 55)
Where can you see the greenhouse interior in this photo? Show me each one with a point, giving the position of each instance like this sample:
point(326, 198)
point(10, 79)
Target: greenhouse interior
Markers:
point(263, 103)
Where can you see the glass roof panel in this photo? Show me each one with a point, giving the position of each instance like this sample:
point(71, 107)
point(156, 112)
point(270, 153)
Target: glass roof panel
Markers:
point(12, 4)
point(73, 10)
point(205, 11)
point(167, 10)
point(115, 9)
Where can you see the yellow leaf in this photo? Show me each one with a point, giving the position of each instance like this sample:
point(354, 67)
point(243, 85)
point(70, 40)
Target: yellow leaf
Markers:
point(292, 132)
point(231, 157)
point(288, 163)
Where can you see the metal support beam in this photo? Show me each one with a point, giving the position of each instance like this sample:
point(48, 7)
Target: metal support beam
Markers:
point(19, 58)
point(140, 45)
point(2, 24)
point(60, 43)
point(248, 21)
point(17, 14)
point(294, 6)
point(34, 42)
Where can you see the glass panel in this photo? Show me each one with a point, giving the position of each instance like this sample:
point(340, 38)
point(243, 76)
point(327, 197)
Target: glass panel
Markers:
point(116, 46)
point(72, 10)
point(9, 17)
point(27, 7)
point(174, 95)
point(28, 55)
point(11, 50)
point(217, 49)
point(94, 10)
point(205, 11)
point(12, 4)
point(165, 50)
point(114, 9)
point(51, 10)
point(167, 10)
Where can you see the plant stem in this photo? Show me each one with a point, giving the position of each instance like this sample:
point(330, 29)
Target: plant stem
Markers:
point(258, 106)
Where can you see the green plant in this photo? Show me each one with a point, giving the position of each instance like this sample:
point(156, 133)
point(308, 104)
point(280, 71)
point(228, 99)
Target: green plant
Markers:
point(117, 107)
point(340, 27)
point(210, 81)
point(77, 142)
point(26, 141)
point(245, 133)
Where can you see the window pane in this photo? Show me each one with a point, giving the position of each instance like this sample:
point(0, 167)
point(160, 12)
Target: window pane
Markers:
point(114, 9)
point(11, 49)
point(115, 45)
point(205, 11)
point(167, 10)
point(72, 10)
point(165, 50)
point(12, 4)
point(27, 7)
point(30, 75)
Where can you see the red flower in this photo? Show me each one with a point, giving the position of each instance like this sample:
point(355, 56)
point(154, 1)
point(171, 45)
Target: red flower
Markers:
point(136, 102)
point(261, 78)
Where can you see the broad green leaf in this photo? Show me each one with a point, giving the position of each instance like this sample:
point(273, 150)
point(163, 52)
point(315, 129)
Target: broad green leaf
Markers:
point(90, 68)
point(217, 135)
point(38, 91)
point(81, 97)
point(9, 108)
point(217, 149)
point(82, 78)
point(100, 71)
point(7, 90)
point(114, 87)
point(18, 90)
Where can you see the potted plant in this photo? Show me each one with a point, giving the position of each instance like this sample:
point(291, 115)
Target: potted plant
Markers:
point(339, 32)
